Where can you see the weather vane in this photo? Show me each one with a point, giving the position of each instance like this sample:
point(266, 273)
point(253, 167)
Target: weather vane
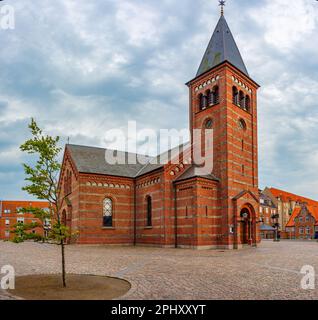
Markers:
point(222, 4)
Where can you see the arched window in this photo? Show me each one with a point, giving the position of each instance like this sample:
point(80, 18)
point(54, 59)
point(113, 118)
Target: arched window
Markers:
point(210, 97)
point(108, 212)
point(202, 102)
point(208, 124)
point(68, 183)
point(242, 100)
point(65, 184)
point(63, 220)
point(242, 124)
point(247, 103)
point(216, 95)
point(235, 95)
point(149, 211)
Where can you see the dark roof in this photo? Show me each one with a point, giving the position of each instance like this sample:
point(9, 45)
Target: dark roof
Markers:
point(192, 172)
point(92, 160)
point(222, 47)
point(267, 201)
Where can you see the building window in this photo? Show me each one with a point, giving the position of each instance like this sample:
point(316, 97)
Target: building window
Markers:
point(209, 94)
point(208, 124)
point(241, 100)
point(7, 211)
point(301, 231)
point(68, 183)
point(203, 101)
point(307, 218)
point(7, 234)
point(242, 124)
point(20, 220)
point(108, 213)
point(215, 95)
point(300, 219)
point(308, 230)
point(235, 96)
point(247, 104)
point(149, 211)
point(7, 222)
point(261, 209)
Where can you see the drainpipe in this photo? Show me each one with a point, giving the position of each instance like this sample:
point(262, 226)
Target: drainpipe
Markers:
point(0, 208)
point(135, 214)
point(175, 217)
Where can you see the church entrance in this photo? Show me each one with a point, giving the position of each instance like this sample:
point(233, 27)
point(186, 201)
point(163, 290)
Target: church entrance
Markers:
point(247, 227)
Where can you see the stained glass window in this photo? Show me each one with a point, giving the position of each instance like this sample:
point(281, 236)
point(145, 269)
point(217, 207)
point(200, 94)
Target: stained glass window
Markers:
point(108, 212)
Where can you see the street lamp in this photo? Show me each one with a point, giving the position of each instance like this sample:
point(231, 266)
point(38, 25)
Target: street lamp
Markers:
point(276, 225)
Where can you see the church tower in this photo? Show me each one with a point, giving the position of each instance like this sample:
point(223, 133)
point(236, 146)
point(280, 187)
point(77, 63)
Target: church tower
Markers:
point(224, 97)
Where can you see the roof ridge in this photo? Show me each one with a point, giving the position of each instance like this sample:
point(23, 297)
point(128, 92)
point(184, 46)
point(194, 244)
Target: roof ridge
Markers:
point(100, 148)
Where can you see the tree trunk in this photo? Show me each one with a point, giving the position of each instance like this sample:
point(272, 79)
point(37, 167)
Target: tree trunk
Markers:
point(63, 263)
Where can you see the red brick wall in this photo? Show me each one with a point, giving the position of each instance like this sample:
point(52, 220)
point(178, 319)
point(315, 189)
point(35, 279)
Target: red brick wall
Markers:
point(93, 190)
point(198, 214)
point(14, 215)
point(150, 185)
point(229, 156)
point(295, 233)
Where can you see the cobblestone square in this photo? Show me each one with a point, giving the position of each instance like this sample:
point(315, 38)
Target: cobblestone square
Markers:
point(271, 271)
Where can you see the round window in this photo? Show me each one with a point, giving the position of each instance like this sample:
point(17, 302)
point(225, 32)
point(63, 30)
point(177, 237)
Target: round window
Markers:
point(209, 124)
point(242, 124)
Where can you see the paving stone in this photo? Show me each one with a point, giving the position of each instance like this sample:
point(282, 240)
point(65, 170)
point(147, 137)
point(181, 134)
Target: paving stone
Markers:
point(272, 271)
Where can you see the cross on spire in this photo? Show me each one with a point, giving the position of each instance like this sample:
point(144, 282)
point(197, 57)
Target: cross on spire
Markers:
point(222, 5)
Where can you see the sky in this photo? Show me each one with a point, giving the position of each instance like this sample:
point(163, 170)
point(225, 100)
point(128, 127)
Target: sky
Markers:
point(82, 68)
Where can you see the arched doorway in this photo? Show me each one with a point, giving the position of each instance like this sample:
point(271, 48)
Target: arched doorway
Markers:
point(247, 234)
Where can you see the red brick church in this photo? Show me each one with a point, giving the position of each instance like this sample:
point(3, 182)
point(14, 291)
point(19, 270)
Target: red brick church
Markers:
point(172, 205)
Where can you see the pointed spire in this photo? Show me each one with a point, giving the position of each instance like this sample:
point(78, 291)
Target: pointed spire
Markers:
point(222, 47)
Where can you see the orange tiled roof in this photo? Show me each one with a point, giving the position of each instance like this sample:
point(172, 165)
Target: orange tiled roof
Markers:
point(291, 222)
point(286, 196)
point(313, 210)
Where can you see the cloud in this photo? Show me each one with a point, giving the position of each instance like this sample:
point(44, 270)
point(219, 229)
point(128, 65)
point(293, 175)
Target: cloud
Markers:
point(286, 24)
point(82, 68)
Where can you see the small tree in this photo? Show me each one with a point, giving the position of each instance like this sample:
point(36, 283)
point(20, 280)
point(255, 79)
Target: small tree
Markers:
point(42, 181)
point(28, 231)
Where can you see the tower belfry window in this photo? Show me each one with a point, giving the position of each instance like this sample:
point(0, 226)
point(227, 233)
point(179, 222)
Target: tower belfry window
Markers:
point(242, 100)
point(247, 103)
point(235, 95)
point(203, 101)
point(215, 95)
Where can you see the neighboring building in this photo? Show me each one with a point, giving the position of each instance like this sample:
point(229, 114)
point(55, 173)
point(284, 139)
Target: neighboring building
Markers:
point(174, 205)
point(303, 223)
point(10, 216)
point(286, 203)
point(269, 215)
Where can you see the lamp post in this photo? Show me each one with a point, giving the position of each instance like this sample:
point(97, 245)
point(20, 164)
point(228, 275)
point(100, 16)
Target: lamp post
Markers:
point(276, 225)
